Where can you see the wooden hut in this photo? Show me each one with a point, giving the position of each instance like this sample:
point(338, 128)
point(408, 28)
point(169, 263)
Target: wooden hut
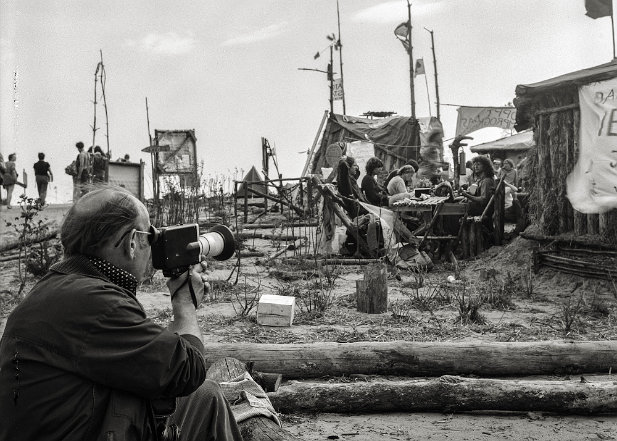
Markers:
point(551, 108)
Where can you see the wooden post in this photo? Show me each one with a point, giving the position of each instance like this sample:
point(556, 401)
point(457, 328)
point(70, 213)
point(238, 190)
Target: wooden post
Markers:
point(608, 226)
point(499, 214)
point(465, 237)
point(372, 292)
point(236, 199)
point(472, 237)
point(246, 202)
point(479, 237)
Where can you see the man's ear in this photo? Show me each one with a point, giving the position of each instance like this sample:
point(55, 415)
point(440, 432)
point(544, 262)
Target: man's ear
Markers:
point(131, 245)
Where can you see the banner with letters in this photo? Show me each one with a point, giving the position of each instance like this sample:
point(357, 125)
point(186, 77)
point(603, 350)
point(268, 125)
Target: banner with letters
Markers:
point(592, 184)
point(471, 119)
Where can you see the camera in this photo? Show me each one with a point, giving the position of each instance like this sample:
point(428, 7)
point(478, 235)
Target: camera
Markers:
point(175, 248)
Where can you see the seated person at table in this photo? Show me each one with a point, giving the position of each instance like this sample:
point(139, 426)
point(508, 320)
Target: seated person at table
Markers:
point(347, 186)
point(482, 190)
point(373, 191)
point(508, 172)
point(397, 187)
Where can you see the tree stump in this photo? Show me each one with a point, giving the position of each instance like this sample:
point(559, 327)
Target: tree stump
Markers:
point(372, 292)
point(258, 428)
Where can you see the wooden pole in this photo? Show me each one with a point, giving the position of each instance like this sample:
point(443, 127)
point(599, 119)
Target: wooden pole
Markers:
point(435, 69)
point(372, 292)
point(340, 55)
point(410, 52)
point(331, 78)
point(103, 80)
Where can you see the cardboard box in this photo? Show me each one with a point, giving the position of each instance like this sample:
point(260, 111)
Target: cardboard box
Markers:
point(275, 310)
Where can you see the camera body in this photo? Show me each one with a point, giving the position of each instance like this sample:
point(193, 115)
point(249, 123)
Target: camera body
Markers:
point(175, 248)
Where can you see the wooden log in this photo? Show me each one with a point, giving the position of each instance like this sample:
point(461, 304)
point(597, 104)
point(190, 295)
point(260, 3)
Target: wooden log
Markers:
point(10, 243)
point(569, 240)
point(580, 223)
point(292, 246)
point(497, 359)
point(350, 261)
point(449, 394)
point(269, 236)
point(278, 200)
point(372, 292)
point(270, 225)
point(258, 428)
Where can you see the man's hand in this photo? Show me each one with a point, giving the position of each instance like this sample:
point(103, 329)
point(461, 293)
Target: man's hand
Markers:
point(180, 288)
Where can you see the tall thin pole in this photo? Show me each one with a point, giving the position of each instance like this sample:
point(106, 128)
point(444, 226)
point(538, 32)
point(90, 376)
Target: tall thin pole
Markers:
point(103, 76)
point(428, 96)
point(331, 78)
point(435, 69)
point(613, 29)
point(340, 48)
point(410, 51)
point(152, 158)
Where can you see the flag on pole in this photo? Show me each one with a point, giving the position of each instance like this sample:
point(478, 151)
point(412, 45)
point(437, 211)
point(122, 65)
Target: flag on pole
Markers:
point(419, 69)
point(402, 33)
point(598, 8)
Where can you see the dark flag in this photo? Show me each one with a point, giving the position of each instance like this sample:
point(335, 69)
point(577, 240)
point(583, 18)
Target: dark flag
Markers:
point(402, 33)
point(598, 8)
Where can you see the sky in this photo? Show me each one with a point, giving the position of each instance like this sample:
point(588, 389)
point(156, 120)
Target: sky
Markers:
point(229, 69)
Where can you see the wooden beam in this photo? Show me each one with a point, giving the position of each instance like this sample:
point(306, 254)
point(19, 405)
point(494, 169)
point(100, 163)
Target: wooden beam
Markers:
point(492, 359)
point(449, 394)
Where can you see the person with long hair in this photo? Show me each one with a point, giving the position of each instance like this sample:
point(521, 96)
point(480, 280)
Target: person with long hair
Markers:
point(347, 186)
point(397, 187)
point(480, 192)
point(374, 193)
point(9, 178)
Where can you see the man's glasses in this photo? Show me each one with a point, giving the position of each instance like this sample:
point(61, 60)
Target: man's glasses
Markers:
point(151, 235)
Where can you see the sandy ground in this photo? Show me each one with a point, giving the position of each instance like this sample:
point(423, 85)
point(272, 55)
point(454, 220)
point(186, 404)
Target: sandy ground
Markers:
point(391, 426)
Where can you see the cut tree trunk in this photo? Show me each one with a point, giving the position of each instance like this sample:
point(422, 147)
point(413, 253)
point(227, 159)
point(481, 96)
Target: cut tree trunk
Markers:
point(448, 394)
point(258, 428)
point(495, 359)
point(372, 292)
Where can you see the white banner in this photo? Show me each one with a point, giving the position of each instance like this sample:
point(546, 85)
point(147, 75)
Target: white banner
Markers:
point(337, 89)
point(471, 119)
point(592, 185)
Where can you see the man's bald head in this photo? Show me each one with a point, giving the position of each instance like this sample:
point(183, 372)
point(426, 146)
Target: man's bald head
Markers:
point(94, 220)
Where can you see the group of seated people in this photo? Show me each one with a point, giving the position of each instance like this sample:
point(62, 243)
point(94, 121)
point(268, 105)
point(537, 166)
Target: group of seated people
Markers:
point(477, 187)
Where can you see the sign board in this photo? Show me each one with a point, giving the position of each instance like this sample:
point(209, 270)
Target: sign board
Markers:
point(337, 89)
point(156, 148)
point(182, 155)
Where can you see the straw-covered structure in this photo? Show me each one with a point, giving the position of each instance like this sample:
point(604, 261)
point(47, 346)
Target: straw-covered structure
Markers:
point(551, 108)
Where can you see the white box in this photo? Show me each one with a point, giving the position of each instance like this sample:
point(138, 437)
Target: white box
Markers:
point(275, 310)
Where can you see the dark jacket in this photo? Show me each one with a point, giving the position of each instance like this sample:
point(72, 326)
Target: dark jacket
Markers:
point(79, 360)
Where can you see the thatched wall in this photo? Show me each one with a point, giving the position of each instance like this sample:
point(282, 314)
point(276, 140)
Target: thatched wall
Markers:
point(555, 118)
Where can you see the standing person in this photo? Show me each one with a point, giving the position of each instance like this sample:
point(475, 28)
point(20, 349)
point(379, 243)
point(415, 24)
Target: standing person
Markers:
point(9, 178)
point(2, 171)
point(43, 176)
point(83, 169)
point(497, 166)
point(375, 193)
point(99, 166)
point(79, 358)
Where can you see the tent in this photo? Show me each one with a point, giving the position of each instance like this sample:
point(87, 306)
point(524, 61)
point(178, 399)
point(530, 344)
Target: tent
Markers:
point(514, 147)
point(258, 183)
point(396, 139)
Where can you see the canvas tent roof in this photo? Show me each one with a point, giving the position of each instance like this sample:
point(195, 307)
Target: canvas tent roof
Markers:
point(527, 95)
point(519, 142)
point(253, 176)
point(396, 139)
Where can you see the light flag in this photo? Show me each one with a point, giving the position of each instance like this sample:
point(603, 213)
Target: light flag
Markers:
point(337, 89)
point(419, 69)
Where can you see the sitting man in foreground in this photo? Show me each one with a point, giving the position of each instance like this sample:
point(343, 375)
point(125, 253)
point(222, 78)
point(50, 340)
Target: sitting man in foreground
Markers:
point(79, 359)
